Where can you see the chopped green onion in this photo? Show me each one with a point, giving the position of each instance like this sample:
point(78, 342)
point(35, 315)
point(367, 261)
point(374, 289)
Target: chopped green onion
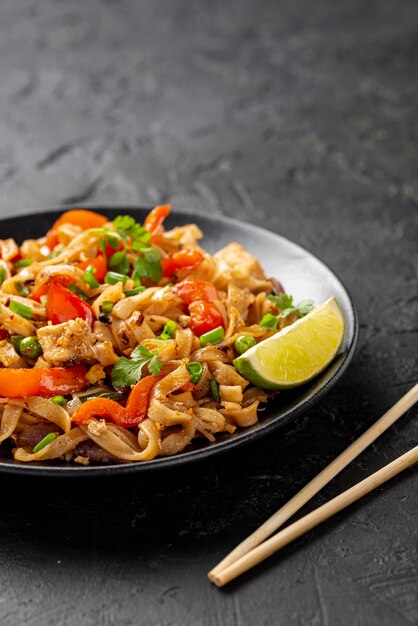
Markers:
point(2, 274)
point(244, 343)
point(135, 292)
point(78, 292)
point(44, 442)
point(164, 336)
point(22, 289)
point(215, 390)
point(30, 347)
point(21, 309)
point(195, 370)
point(15, 341)
point(269, 321)
point(107, 306)
point(90, 280)
point(23, 263)
point(213, 336)
point(112, 278)
point(53, 254)
point(169, 329)
point(59, 400)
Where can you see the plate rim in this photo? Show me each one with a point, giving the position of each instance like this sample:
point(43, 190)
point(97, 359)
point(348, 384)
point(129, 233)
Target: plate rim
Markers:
point(192, 456)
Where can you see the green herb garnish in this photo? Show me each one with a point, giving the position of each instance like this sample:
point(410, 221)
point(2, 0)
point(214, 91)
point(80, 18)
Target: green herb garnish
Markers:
point(23, 263)
point(21, 309)
point(60, 400)
point(127, 372)
point(119, 262)
point(44, 442)
point(128, 227)
point(215, 390)
point(284, 302)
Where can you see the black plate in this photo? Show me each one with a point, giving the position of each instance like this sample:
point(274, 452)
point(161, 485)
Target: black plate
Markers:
point(302, 274)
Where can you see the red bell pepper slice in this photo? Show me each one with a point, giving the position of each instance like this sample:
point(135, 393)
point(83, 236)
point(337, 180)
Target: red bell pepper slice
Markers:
point(156, 217)
point(135, 411)
point(205, 317)
point(38, 381)
point(186, 259)
point(99, 264)
point(192, 289)
point(64, 305)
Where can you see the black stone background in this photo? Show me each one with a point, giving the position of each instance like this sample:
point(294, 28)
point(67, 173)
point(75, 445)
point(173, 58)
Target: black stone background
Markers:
point(294, 115)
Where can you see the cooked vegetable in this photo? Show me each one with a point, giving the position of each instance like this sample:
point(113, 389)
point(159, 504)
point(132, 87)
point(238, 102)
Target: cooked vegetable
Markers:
point(59, 400)
point(127, 372)
point(64, 305)
point(112, 278)
point(205, 317)
point(38, 381)
point(21, 309)
point(195, 370)
point(183, 260)
point(30, 347)
point(44, 442)
point(192, 289)
point(213, 336)
point(215, 390)
point(243, 343)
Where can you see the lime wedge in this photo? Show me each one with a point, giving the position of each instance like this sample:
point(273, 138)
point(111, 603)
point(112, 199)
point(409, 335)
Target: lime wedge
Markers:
point(297, 353)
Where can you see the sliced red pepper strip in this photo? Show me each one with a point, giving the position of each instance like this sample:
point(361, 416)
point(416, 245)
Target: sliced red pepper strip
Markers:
point(99, 264)
point(137, 404)
point(135, 411)
point(156, 217)
point(186, 259)
point(102, 408)
point(64, 305)
point(205, 317)
point(192, 289)
point(50, 381)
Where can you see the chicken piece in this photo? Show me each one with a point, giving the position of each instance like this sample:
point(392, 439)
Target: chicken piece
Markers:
point(235, 264)
point(68, 343)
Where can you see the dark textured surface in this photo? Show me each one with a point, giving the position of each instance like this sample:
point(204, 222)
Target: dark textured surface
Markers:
point(296, 115)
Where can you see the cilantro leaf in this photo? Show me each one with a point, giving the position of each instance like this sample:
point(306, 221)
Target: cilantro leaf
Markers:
point(149, 266)
point(305, 307)
point(126, 372)
point(119, 262)
point(282, 301)
point(128, 227)
point(155, 365)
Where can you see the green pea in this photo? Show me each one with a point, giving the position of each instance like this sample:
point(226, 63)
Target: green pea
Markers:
point(244, 343)
point(30, 347)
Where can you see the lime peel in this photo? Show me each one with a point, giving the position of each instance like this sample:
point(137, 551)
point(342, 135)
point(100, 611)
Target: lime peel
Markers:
point(297, 353)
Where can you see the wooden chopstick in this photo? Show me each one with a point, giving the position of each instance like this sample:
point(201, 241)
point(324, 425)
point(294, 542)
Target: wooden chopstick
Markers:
point(311, 520)
point(315, 485)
